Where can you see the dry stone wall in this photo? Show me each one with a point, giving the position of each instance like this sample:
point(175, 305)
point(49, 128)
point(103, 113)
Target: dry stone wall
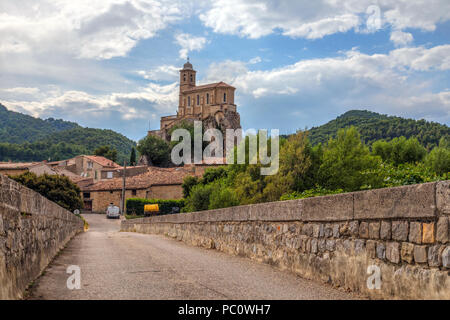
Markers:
point(32, 231)
point(399, 234)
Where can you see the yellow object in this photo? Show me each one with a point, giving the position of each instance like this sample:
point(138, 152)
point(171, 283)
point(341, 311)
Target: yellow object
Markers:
point(151, 208)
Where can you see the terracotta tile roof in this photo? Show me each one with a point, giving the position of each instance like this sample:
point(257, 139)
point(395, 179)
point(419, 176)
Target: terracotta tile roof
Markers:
point(60, 162)
point(17, 165)
point(154, 176)
point(103, 161)
point(72, 176)
point(209, 85)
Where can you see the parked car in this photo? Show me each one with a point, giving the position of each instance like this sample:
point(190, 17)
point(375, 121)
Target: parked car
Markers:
point(113, 212)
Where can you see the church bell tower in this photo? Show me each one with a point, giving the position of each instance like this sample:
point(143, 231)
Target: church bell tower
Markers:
point(187, 77)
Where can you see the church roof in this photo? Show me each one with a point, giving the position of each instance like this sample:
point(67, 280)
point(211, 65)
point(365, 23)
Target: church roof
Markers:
point(210, 85)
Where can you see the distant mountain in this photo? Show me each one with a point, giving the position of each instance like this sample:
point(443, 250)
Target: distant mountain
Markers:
point(374, 126)
point(25, 138)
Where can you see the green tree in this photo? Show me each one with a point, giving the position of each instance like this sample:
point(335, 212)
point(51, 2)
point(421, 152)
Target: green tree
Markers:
point(133, 157)
point(188, 183)
point(399, 150)
point(155, 149)
point(222, 197)
point(199, 198)
point(347, 163)
point(56, 188)
point(293, 173)
point(107, 152)
point(438, 160)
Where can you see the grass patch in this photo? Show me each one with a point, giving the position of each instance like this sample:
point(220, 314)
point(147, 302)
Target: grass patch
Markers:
point(86, 224)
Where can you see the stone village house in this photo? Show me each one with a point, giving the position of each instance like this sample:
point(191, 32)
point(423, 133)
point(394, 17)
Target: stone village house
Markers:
point(156, 183)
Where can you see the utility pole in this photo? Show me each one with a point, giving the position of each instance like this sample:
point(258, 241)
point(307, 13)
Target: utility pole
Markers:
point(124, 175)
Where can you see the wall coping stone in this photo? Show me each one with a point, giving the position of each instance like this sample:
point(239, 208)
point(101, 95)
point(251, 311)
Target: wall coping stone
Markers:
point(424, 200)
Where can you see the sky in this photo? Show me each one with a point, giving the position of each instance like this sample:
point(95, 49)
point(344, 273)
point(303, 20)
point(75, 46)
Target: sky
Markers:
point(114, 64)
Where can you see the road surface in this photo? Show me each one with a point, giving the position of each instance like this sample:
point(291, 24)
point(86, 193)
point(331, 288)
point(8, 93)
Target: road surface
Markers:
point(122, 265)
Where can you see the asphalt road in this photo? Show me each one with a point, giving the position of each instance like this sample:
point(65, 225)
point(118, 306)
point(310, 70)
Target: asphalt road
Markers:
point(122, 265)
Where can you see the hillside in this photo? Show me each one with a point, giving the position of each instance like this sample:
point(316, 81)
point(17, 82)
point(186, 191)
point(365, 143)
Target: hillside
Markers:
point(16, 127)
point(374, 126)
point(25, 138)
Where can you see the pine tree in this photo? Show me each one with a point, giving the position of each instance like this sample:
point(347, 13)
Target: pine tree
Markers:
point(133, 157)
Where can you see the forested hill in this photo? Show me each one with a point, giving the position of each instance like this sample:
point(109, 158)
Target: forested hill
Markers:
point(25, 138)
point(16, 127)
point(374, 126)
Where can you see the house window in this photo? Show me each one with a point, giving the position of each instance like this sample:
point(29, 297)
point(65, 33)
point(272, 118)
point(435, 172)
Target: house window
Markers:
point(207, 98)
point(109, 175)
point(111, 192)
point(198, 100)
point(133, 192)
point(86, 195)
point(224, 97)
point(90, 164)
point(189, 101)
point(95, 174)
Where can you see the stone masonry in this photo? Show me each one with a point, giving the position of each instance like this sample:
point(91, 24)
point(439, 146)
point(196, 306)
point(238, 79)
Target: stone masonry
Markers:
point(403, 230)
point(32, 231)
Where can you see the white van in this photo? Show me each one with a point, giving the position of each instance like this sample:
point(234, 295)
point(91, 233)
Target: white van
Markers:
point(113, 212)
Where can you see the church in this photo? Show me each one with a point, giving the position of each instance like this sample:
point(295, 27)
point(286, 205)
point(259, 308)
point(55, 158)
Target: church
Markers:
point(213, 104)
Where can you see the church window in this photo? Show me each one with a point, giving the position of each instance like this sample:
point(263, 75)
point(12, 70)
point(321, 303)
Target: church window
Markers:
point(198, 99)
point(184, 77)
point(207, 98)
point(224, 97)
point(189, 101)
point(192, 78)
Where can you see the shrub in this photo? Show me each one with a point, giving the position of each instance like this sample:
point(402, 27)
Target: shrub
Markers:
point(222, 197)
point(347, 163)
point(318, 191)
point(198, 200)
point(135, 206)
point(56, 188)
point(438, 160)
point(188, 183)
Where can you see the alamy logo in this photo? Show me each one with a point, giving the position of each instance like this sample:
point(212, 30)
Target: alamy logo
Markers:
point(373, 22)
point(74, 281)
point(374, 280)
point(259, 147)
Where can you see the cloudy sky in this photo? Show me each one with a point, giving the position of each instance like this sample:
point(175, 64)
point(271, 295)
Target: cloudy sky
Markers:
point(295, 64)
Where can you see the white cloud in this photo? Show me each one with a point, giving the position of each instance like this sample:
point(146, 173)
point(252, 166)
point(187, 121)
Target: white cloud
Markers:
point(98, 29)
point(316, 19)
point(21, 90)
point(382, 81)
point(126, 112)
point(401, 38)
point(255, 60)
point(161, 73)
point(226, 71)
point(189, 43)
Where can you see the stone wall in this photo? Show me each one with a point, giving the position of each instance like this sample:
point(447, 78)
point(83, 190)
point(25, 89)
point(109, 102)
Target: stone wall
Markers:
point(167, 192)
point(102, 199)
point(403, 232)
point(32, 231)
